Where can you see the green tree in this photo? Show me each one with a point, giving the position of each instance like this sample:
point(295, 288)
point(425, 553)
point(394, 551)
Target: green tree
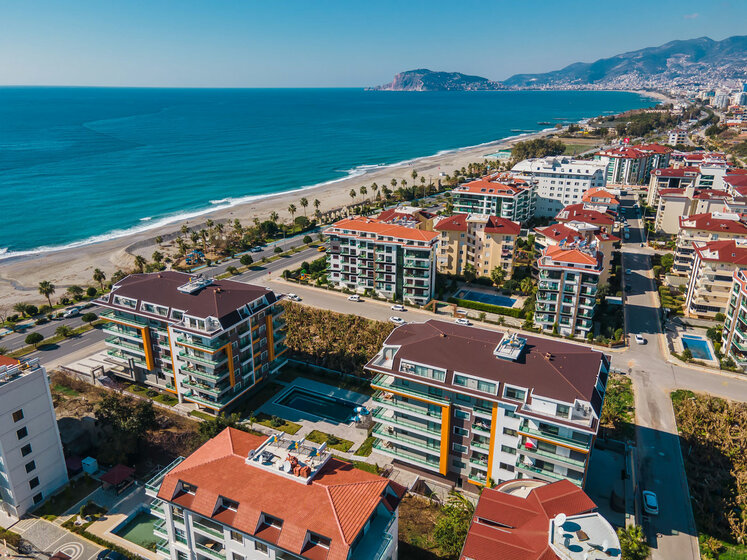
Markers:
point(353, 194)
point(555, 328)
point(140, 263)
point(34, 338)
point(633, 543)
point(75, 292)
point(46, 289)
point(667, 261)
point(364, 191)
point(128, 423)
point(469, 272)
point(292, 210)
point(91, 291)
point(497, 275)
point(21, 308)
point(89, 317)
point(64, 331)
point(317, 204)
point(452, 524)
point(274, 217)
point(208, 429)
point(526, 285)
point(157, 257)
point(304, 204)
point(246, 260)
point(159, 239)
point(307, 239)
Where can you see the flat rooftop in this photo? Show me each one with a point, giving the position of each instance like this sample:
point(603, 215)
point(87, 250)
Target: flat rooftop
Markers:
point(12, 369)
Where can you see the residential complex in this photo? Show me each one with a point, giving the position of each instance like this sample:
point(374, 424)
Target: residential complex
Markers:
point(710, 284)
point(560, 180)
point(677, 136)
point(632, 165)
point(568, 280)
point(601, 200)
point(536, 520)
point(677, 203)
point(409, 216)
point(394, 261)
point(581, 214)
point(485, 242)
point(502, 195)
point(670, 178)
point(474, 404)
point(701, 228)
point(734, 334)
point(32, 465)
point(207, 341)
point(242, 496)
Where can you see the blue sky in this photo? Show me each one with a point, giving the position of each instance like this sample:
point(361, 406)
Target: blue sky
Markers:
point(247, 43)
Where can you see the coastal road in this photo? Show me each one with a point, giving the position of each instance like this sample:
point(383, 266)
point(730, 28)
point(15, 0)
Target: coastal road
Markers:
point(16, 340)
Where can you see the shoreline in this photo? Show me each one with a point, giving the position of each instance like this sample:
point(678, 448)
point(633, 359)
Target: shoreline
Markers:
point(74, 263)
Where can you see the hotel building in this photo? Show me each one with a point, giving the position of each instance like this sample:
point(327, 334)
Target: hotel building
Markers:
point(246, 497)
point(568, 280)
point(633, 165)
point(710, 285)
point(485, 242)
point(560, 181)
point(32, 465)
point(393, 261)
point(208, 342)
point(502, 195)
point(702, 228)
point(734, 335)
point(474, 404)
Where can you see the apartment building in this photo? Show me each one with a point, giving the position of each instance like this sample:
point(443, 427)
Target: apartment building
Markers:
point(572, 233)
point(409, 216)
point(633, 165)
point(502, 195)
point(474, 404)
point(670, 178)
point(32, 464)
point(247, 497)
point(677, 136)
point(393, 261)
point(210, 342)
point(560, 180)
point(579, 213)
point(568, 281)
point(601, 200)
point(521, 520)
point(677, 203)
point(702, 228)
point(485, 242)
point(710, 285)
point(734, 334)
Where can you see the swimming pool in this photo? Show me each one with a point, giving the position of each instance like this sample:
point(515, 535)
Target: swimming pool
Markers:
point(139, 530)
point(329, 408)
point(698, 346)
point(481, 297)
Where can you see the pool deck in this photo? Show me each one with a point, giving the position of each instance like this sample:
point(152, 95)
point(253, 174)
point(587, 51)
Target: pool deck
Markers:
point(518, 300)
point(308, 421)
point(680, 347)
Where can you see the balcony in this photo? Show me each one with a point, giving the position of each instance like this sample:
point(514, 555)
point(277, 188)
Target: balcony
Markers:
point(117, 342)
point(553, 457)
point(134, 322)
point(153, 485)
point(197, 359)
point(428, 461)
point(209, 389)
point(477, 444)
point(159, 530)
point(389, 418)
point(388, 383)
point(157, 508)
point(212, 346)
point(202, 374)
point(207, 529)
point(410, 263)
point(525, 429)
point(409, 441)
point(162, 548)
point(117, 330)
point(215, 550)
point(126, 358)
point(217, 403)
point(542, 474)
point(481, 428)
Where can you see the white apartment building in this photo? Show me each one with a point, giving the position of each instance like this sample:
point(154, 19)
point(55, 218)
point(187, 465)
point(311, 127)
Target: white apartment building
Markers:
point(246, 497)
point(32, 465)
point(560, 181)
point(677, 203)
point(734, 335)
point(391, 260)
point(677, 136)
point(502, 195)
point(709, 288)
point(702, 228)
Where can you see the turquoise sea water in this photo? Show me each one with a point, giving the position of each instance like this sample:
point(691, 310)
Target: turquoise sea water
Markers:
point(84, 164)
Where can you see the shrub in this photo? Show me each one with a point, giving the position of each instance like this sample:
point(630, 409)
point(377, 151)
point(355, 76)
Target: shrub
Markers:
point(91, 292)
point(307, 239)
point(232, 270)
point(478, 306)
point(246, 260)
point(278, 250)
point(34, 338)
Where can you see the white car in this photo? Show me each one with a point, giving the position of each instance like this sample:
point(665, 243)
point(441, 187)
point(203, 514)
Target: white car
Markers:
point(354, 297)
point(398, 307)
point(397, 320)
point(71, 312)
point(293, 297)
point(639, 339)
point(650, 503)
point(463, 321)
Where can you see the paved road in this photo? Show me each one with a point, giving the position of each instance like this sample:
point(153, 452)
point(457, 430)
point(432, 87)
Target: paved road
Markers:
point(15, 341)
point(47, 539)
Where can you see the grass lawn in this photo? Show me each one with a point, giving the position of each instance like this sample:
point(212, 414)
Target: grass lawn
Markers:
point(278, 424)
point(366, 447)
point(74, 492)
point(201, 415)
point(575, 149)
point(417, 521)
point(618, 412)
point(362, 465)
point(294, 370)
point(152, 394)
point(67, 391)
point(332, 442)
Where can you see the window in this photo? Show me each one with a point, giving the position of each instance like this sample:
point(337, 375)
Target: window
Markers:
point(562, 411)
point(229, 504)
point(458, 464)
point(422, 371)
point(189, 488)
point(275, 522)
point(18, 415)
point(26, 449)
point(507, 449)
point(459, 448)
point(237, 556)
point(319, 540)
point(34, 482)
point(460, 431)
point(236, 537)
point(22, 433)
point(511, 414)
point(260, 547)
point(463, 414)
point(476, 384)
point(509, 468)
point(509, 432)
point(30, 466)
point(516, 394)
point(38, 498)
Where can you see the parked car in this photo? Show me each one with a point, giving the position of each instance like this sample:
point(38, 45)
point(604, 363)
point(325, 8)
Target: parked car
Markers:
point(398, 307)
point(397, 320)
point(256, 249)
point(639, 339)
point(293, 297)
point(70, 312)
point(650, 503)
point(322, 249)
point(354, 297)
point(109, 554)
point(463, 321)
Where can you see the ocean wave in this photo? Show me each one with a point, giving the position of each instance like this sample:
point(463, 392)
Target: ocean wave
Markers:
point(146, 219)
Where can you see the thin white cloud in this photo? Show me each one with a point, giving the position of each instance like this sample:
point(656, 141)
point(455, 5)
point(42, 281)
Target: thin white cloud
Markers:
point(691, 16)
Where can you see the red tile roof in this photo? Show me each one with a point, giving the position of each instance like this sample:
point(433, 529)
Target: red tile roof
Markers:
point(707, 222)
point(637, 151)
point(371, 225)
point(725, 251)
point(489, 187)
point(600, 192)
point(495, 224)
point(336, 504)
point(393, 214)
point(577, 213)
point(507, 526)
point(677, 172)
point(562, 254)
point(6, 361)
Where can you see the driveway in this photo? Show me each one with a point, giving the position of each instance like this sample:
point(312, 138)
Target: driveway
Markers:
point(47, 539)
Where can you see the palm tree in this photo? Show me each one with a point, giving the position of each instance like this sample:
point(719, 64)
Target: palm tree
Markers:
point(292, 212)
point(526, 285)
point(304, 203)
point(414, 175)
point(46, 288)
point(375, 190)
point(140, 262)
point(364, 191)
point(274, 217)
point(99, 276)
point(317, 204)
point(157, 256)
point(219, 228)
point(159, 239)
point(237, 228)
point(21, 308)
point(393, 182)
point(195, 237)
point(204, 236)
point(182, 245)
point(422, 182)
point(353, 194)
point(185, 229)
point(403, 182)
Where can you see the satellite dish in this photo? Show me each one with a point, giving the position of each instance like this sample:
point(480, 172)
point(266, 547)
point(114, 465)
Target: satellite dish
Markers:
point(287, 466)
point(560, 519)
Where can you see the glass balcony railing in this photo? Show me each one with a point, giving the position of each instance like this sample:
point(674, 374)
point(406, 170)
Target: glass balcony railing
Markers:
point(427, 460)
point(532, 469)
point(382, 433)
point(210, 530)
point(155, 482)
point(211, 346)
point(217, 552)
point(553, 457)
point(112, 316)
point(113, 340)
point(202, 374)
point(394, 402)
point(210, 363)
point(525, 429)
point(380, 415)
point(387, 382)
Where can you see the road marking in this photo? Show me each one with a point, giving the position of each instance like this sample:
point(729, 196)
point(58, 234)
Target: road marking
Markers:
point(73, 549)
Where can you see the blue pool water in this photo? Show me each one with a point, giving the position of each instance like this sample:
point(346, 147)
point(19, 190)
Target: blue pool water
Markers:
point(336, 410)
point(698, 346)
point(492, 299)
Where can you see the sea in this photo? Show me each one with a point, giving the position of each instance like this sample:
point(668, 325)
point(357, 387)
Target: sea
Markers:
point(81, 165)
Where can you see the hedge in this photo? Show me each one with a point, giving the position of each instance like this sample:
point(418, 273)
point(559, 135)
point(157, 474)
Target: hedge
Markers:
point(11, 539)
point(487, 307)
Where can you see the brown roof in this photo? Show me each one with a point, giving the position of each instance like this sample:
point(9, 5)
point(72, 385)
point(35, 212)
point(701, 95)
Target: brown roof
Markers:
point(6, 361)
point(336, 504)
point(384, 229)
point(219, 299)
point(570, 373)
point(726, 251)
point(577, 213)
point(708, 222)
point(495, 224)
point(565, 254)
point(118, 474)
point(512, 527)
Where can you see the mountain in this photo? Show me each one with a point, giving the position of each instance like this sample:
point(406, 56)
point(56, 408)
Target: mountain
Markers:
point(428, 80)
point(690, 62)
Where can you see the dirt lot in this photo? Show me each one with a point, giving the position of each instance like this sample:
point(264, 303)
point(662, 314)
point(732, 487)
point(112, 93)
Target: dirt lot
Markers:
point(417, 519)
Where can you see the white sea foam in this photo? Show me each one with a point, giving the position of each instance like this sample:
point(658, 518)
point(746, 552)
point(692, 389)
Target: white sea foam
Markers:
point(146, 219)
